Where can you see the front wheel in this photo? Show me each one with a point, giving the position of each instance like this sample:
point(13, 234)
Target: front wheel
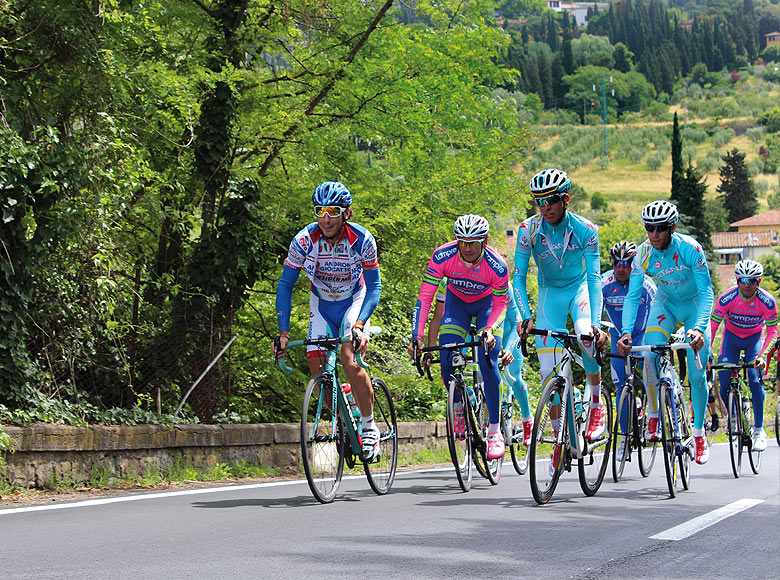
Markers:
point(593, 465)
point(668, 444)
point(546, 455)
point(754, 457)
point(735, 428)
point(322, 439)
point(490, 469)
point(459, 443)
point(381, 471)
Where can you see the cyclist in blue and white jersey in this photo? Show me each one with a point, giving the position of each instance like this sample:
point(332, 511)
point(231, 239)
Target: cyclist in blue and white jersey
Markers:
point(340, 259)
point(614, 287)
point(565, 247)
point(679, 267)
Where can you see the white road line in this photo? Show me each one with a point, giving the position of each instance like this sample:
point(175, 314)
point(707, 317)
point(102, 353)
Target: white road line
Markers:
point(697, 524)
point(142, 496)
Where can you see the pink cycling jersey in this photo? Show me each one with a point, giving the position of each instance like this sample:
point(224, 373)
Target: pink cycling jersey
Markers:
point(745, 317)
point(469, 282)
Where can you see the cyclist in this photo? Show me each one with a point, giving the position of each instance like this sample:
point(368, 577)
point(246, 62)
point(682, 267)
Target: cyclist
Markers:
point(614, 286)
point(679, 267)
point(340, 259)
point(511, 355)
point(477, 279)
point(565, 247)
point(746, 309)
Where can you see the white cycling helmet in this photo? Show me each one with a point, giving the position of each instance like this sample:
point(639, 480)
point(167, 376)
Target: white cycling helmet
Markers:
point(748, 269)
point(660, 212)
point(470, 226)
point(548, 182)
point(622, 251)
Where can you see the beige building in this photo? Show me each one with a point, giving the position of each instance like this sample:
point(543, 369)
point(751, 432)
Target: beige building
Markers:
point(749, 238)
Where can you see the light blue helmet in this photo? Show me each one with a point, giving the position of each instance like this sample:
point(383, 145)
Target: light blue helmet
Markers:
point(548, 182)
point(331, 193)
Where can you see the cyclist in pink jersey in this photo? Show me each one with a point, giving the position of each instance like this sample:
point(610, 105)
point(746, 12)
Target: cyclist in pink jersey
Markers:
point(746, 309)
point(477, 283)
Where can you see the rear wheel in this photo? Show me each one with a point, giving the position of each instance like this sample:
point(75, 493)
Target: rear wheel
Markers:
point(459, 443)
point(684, 459)
point(777, 422)
point(381, 471)
point(546, 452)
point(593, 466)
point(621, 450)
point(667, 439)
point(490, 469)
point(735, 428)
point(322, 439)
point(647, 449)
point(513, 431)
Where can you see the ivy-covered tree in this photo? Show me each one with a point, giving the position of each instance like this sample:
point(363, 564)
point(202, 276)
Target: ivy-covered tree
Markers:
point(736, 188)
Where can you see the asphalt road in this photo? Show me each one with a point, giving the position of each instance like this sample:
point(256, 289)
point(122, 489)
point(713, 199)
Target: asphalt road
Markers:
point(425, 528)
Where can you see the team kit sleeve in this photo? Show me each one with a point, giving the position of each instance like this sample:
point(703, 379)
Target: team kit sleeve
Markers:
point(718, 315)
point(371, 276)
point(593, 275)
point(634, 294)
point(511, 320)
point(284, 290)
point(500, 290)
point(701, 275)
point(520, 277)
point(770, 320)
point(431, 279)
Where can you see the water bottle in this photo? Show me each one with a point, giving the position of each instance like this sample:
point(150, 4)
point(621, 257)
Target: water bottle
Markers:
point(578, 402)
point(351, 400)
point(472, 396)
point(639, 413)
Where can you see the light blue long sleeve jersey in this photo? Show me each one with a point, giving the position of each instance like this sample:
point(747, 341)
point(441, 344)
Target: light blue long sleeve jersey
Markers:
point(681, 274)
point(566, 255)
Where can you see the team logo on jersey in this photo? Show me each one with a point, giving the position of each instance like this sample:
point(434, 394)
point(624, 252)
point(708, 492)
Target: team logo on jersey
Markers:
point(517, 271)
point(700, 262)
point(523, 241)
point(303, 243)
point(661, 318)
point(593, 241)
point(582, 305)
point(657, 265)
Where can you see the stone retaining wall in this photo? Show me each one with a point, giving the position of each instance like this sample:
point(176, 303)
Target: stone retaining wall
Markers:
point(69, 453)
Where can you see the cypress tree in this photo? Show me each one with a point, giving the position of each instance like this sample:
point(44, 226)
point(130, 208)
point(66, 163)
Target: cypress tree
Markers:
point(693, 188)
point(737, 190)
point(677, 164)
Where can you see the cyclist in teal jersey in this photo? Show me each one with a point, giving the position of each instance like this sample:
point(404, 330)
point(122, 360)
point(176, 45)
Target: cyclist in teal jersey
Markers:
point(678, 266)
point(565, 247)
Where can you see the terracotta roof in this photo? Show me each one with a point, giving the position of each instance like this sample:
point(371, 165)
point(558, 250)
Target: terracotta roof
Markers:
point(770, 218)
point(745, 239)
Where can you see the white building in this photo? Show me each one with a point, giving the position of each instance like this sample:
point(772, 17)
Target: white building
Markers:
point(578, 9)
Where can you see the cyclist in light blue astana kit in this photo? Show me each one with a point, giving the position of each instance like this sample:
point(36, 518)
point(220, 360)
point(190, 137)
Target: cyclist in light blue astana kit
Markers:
point(676, 262)
point(340, 259)
point(565, 247)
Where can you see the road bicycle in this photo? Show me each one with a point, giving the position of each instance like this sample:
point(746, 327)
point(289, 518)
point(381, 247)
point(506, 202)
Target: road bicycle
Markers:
point(776, 381)
point(559, 429)
point(512, 425)
point(676, 432)
point(467, 390)
point(330, 439)
point(739, 417)
point(632, 412)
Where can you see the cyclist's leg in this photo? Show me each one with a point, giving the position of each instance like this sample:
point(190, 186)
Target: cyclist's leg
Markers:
point(618, 368)
point(551, 315)
point(454, 328)
point(346, 313)
point(319, 327)
point(660, 324)
point(688, 313)
point(481, 310)
point(519, 386)
point(729, 353)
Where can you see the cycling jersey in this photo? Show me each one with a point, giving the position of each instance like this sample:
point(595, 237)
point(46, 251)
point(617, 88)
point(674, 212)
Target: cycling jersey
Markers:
point(567, 256)
point(469, 282)
point(746, 317)
point(684, 294)
point(343, 271)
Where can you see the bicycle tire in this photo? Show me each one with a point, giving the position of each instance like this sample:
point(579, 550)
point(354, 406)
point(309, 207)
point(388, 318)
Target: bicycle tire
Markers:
point(323, 439)
point(460, 448)
point(686, 435)
point(381, 471)
point(754, 457)
point(513, 431)
point(625, 407)
point(490, 469)
point(593, 465)
point(735, 431)
point(777, 422)
point(667, 439)
point(544, 442)
point(647, 449)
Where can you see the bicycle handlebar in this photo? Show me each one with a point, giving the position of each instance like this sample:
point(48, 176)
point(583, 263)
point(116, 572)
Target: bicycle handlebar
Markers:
point(330, 343)
point(667, 348)
point(563, 337)
point(449, 347)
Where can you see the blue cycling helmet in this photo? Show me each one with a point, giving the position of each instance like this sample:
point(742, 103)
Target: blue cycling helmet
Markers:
point(548, 182)
point(331, 193)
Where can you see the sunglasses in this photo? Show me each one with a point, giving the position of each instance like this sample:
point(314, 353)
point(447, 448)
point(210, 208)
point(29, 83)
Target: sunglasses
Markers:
point(747, 280)
point(471, 243)
point(657, 228)
point(328, 210)
point(549, 200)
point(622, 263)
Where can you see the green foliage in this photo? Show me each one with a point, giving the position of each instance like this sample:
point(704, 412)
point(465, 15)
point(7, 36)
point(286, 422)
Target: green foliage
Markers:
point(736, 188)
point(771, 120)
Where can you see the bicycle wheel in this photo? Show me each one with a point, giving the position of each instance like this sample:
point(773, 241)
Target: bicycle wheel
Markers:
point(626, 409)
point(381, 471)
point(754, 457)
point(647, 449)
point(684, 459)
point(777, 422)
point(735, 431)
point(490, 469)
point(593, 465)
point(513, 431)
point(322, 439)
point(709, 432)
point(460, 444)
point(546, 455)
point(668, 444)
